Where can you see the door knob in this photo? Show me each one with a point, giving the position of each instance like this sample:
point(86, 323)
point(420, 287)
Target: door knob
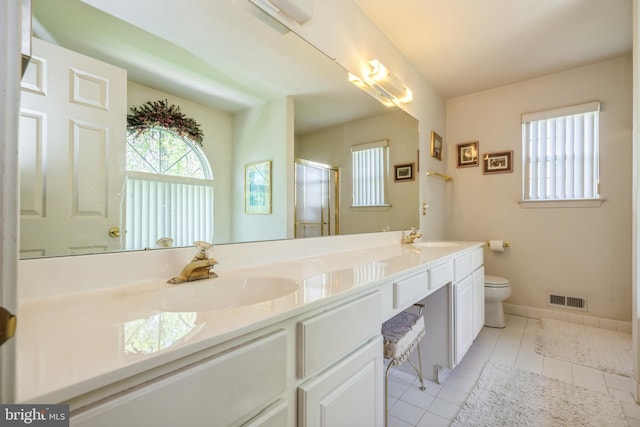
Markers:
point(114, 232)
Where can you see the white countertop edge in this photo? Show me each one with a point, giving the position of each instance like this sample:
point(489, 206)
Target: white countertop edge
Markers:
point(164, 357)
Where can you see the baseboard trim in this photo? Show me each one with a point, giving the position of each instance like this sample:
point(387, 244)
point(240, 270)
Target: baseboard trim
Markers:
point(539, 313)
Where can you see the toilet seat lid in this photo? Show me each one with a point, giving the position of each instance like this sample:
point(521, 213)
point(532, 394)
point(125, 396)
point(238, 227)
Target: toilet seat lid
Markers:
point(495, 280)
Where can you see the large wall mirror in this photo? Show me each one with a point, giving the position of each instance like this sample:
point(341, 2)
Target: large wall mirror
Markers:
point(280, 125)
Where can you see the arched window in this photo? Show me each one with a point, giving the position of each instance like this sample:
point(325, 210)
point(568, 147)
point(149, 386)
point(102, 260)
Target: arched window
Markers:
point(162, 151)
point(169, 180)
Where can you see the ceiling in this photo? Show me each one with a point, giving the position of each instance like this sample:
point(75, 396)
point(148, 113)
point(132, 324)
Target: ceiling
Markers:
point(227, 58)
point(465, 46)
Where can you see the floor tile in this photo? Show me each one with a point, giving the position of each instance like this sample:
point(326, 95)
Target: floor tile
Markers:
point(466, 373)
point(444, 409)
point(633, 423)
point(514, 345)
point(631, 410)
point(590, 378)
point(397, 389)
point(402, 377)
point(417, 397)
point(406, 412)
point(558, 369)
point(453, 395)
point(621, 395)
point(619, 382)
point(432, 420)
point(460, 384)
point(396, 422)
point(432, 387)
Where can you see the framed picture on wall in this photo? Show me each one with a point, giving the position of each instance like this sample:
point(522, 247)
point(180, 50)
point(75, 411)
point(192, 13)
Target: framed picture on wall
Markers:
point(501, 162)
point(436, 145)
point(404, 172)
point(257, 188)
point(468, 154)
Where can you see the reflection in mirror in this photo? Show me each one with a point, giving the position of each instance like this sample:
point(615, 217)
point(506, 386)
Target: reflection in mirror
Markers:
point(258, 92)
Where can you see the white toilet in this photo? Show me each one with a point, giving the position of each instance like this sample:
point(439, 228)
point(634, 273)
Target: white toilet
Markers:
point(496, 290)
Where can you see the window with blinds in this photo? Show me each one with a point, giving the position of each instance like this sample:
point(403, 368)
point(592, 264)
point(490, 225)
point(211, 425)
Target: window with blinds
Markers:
point(169, 190)
point(370, 165)
point(161, 206)
point(560, 147)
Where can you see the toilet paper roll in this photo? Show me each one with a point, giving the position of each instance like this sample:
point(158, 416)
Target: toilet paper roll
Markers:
point(496, 245)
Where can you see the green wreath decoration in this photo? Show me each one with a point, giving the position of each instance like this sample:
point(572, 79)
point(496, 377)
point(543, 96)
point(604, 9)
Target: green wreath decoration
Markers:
point(161, 114)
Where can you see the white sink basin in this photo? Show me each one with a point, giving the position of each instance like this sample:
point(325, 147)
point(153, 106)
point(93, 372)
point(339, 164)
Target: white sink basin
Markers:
point(220, 293)
point(436, 244)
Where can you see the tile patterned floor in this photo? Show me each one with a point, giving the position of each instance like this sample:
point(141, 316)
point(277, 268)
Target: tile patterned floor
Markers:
point(514, 345)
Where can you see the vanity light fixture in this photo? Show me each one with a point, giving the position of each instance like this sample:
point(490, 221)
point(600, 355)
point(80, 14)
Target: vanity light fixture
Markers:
point(298, 11)
point(370, 90)
point(379, 82)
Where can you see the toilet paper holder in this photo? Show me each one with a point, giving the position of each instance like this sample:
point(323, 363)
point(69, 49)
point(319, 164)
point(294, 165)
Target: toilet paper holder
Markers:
point(504, 244)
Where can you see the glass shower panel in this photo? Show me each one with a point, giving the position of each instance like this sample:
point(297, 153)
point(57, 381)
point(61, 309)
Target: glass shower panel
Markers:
point(315, 200)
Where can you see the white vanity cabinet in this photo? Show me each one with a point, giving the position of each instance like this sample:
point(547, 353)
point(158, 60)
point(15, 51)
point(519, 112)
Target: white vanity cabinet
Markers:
point(477, 265)
point(463, 309)
point(319, 364)
point(340, 363)
point(468, 299)
point(478, 301)
point(233, 388)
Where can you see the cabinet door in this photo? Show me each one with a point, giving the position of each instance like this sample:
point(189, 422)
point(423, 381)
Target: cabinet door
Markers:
point(348, 394)
point(463, 317)
point(478, 301)
point(219, 391)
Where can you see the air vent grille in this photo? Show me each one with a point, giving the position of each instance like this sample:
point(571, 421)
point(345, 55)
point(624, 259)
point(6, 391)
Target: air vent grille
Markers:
point(565, 301)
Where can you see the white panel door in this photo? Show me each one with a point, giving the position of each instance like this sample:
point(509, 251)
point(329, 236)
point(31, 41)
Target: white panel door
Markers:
point(348, 394)
point(478, 301)
point(72, 156)
point(463, 317)
point(10, 25)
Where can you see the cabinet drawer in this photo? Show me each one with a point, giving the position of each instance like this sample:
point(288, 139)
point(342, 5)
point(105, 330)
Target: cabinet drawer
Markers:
point(226, 388)
point(274, 416)
point(440, 275)
point(326, 337)
point(410, 289)
point(461, 267)
point(477, 259)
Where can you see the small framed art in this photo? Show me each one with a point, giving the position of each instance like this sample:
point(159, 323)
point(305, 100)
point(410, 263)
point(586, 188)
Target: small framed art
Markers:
point(257, 188)
point(404, 172)
point(501, 162)
point(468, 154)
point(436, 145)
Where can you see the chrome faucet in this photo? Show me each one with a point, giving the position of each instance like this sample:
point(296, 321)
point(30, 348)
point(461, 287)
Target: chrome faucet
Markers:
point(409, 238)
point(200, 266)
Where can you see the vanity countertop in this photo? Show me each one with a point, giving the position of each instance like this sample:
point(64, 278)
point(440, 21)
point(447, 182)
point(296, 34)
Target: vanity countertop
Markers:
point(77, 342)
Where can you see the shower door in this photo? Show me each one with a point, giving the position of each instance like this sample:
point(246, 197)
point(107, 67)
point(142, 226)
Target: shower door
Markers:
point(316, 199)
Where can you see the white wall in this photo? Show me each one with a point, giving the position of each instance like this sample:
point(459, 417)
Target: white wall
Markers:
point(332, 146)
point(341, 30)
point(260, 134)
point(578, 251)
point(216, 126)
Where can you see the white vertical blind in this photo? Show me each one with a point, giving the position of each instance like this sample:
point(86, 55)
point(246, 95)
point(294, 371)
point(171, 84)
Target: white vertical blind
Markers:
point(561, 153)
point(369, 172)
point(162, 206)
